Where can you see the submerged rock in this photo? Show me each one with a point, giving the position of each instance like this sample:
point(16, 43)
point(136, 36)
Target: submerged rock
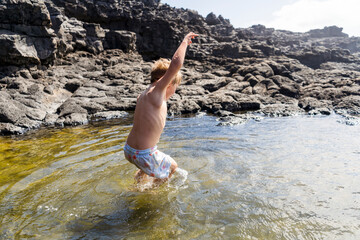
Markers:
point(350, 120)
point(236, 119)
point(281, 110)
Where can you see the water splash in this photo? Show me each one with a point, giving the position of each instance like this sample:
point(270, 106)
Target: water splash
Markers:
point(148, 183)
point(179, 178)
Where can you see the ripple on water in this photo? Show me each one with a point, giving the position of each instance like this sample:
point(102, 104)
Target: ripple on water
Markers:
point(291, 178)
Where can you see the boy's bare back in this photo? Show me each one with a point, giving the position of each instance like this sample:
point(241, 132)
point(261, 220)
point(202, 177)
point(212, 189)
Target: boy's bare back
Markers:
point(151, 108)
point(149, 119)
point(150, 116)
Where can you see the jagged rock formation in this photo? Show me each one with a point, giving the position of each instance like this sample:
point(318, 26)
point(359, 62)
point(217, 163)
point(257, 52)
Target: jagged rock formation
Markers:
point(68, 62)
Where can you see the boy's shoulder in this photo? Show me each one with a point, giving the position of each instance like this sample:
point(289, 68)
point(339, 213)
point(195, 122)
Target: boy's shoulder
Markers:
point(151, 96)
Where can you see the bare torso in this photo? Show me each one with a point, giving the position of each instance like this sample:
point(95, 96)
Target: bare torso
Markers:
point(149, 120)
point(151, 109)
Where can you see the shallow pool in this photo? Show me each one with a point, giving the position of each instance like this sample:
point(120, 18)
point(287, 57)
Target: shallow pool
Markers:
point(280, 178)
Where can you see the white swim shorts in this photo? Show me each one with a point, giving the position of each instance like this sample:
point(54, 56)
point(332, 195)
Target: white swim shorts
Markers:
point(152, 161)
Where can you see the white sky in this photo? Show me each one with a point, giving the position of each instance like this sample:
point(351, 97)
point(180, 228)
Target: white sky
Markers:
point(293, 15)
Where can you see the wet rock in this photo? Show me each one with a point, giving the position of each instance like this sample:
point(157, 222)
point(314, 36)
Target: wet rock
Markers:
point(109, 115)
point(349, 104)
point(50, 119)
point(224, 113)
point(320, 111)
point(73, 119)
point(8, 128)
point(349, 120)
point(309, 103)
point(231, 120)
point(281, 110)
point(28, 124)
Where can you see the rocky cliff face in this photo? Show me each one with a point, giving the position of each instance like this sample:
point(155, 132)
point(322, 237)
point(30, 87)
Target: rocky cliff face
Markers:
point(69, 62)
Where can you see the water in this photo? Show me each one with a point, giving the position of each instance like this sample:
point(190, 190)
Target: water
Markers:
point(280, 178)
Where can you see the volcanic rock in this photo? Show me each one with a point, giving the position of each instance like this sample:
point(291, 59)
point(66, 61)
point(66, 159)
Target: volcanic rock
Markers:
point(71, 62)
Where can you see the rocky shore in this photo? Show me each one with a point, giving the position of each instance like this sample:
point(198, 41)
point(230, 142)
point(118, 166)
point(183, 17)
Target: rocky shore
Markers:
point(74, 61)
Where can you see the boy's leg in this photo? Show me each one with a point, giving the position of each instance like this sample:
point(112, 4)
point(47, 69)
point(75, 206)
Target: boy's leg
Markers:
point(139, 176)
point(173, 167)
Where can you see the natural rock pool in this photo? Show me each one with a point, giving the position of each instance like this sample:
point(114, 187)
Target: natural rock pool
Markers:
point(280, 178)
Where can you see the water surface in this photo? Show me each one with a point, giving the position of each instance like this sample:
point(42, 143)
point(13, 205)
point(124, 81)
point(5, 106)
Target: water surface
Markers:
point(280, 178)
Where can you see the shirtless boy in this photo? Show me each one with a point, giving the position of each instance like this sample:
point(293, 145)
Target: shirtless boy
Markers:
point(150, 117)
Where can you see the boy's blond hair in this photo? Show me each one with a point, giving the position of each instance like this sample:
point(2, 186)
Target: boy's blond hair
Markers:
point(159, 69)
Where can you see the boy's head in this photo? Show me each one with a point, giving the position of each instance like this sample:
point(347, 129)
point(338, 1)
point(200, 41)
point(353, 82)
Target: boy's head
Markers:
point(159, 69)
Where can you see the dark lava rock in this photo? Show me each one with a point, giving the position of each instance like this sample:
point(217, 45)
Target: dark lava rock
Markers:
point(70, 62)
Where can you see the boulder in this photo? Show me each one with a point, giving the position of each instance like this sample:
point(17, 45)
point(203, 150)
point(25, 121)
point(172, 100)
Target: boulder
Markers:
point(9, 113)
point(16, 49)
point(124, 40)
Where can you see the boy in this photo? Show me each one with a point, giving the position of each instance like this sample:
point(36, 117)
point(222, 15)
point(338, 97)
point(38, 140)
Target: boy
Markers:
point(150, 116)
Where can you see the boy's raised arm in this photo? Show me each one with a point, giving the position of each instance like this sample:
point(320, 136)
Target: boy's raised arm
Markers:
point(176, 62)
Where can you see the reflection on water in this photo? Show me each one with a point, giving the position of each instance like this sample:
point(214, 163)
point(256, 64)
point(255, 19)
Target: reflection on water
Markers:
point(281, 178)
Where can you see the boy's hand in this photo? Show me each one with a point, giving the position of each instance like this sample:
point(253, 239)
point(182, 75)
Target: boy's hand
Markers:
point(188, 37)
